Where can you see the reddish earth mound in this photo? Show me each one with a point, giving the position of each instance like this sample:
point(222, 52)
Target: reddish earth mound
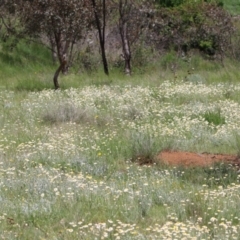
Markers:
point(194, 159)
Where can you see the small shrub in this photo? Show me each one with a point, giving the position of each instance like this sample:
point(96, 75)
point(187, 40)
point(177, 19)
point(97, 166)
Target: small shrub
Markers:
point(87, 61)
point(195, 78)
point(142, 148)
point(169, 60)
point(67, 112)
point(141, 56)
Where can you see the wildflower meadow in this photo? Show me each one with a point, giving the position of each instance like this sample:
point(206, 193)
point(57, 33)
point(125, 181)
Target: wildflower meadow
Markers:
point(69, 162)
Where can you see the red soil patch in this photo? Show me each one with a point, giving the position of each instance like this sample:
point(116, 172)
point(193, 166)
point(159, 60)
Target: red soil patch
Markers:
point(177, 158)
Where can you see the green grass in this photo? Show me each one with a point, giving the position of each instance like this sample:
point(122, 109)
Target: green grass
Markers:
point(25, 67)
point(72, 166)
point(233, 6)
point(81, 162)
point(214, 117)
point(29, 67)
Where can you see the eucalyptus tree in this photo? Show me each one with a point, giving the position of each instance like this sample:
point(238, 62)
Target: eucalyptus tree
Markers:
point(64, 22)
point(132, 21)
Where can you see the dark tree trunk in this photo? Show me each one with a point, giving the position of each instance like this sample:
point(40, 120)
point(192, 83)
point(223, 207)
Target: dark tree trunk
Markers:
point(55, 78)
point(63, 65)
point(62, 49)
point(101, 32)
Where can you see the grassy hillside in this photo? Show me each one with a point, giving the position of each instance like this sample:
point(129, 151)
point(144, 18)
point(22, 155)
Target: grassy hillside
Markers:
point(233, 6)
point(30, 67)
point(26, 64)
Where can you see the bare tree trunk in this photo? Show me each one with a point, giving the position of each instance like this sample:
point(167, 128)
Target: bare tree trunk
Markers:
point(53, 49)
point(62, 57)
point(64, 63)
point(123, 30)
point(71, 57)
point(101, 32)
point(62, 50)
point(125, 46)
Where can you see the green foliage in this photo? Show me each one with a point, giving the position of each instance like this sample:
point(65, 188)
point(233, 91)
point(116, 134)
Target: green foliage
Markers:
point(87, 61)
point(141, 56)
point(170, 3)
point(194, 25)
point(207, 46)
point(169, 60)
point(176, 3)
point(214, 117)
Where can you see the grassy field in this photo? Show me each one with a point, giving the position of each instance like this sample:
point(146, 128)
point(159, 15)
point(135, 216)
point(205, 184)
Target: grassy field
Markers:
point(69, 159)
point(233, 6)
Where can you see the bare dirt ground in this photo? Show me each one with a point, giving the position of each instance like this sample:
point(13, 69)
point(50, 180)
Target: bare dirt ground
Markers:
point(189, 159)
